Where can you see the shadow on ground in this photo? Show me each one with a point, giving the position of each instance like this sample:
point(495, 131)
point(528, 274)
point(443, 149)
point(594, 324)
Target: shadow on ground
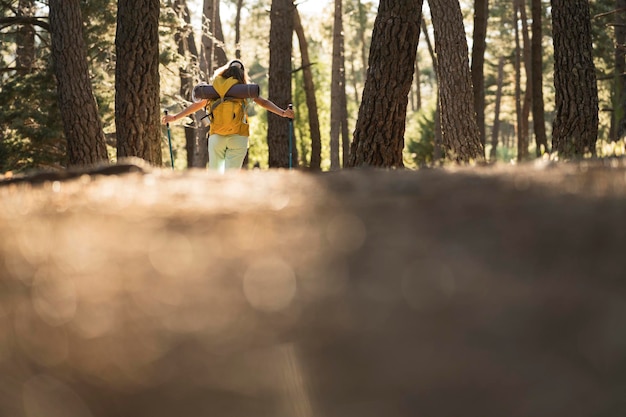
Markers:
point(475, 292)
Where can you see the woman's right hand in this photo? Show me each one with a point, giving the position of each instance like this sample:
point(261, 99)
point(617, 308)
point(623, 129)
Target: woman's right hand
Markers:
point(168, 118)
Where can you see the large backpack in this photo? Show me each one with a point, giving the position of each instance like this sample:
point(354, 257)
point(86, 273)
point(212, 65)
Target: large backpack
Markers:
point(227, 115)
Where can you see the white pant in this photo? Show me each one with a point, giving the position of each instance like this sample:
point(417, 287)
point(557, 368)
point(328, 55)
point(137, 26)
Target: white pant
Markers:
point(227, 151)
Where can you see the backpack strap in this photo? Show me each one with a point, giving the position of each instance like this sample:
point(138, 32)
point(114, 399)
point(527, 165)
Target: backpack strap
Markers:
point(214, 106)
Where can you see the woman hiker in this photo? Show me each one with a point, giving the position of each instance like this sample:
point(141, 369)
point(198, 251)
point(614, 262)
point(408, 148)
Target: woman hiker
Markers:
point(229, 131)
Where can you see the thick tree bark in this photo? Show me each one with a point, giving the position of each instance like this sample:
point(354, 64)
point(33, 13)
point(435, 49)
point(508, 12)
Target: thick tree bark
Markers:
point(539, 119)
point(309, 91)
point(137, 114)
point(575, 129)
point(78, 107)
point(481, 15)
point(281, 34)
point(458, 118)
point(379, 134)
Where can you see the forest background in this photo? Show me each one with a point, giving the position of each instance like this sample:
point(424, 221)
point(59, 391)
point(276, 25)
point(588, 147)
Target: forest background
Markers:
point(31, 129)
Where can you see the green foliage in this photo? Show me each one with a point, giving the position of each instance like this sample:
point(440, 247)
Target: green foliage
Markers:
point(420, 137)
point(33, 134)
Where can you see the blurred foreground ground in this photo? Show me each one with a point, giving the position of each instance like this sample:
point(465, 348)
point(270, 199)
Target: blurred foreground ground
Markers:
point(486, 292)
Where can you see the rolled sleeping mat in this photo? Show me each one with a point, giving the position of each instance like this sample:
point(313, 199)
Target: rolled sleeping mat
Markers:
point(206, 91)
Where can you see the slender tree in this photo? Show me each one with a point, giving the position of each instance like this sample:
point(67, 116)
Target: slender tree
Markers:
point(481, 16)
point(527, 100)
point(281, 35)
point(575, 129)
point(79, 111)
point(458, 118)
point(311, 101)
point(238, 29)
point(379, 135)
point(618, 122)
point(195, 135)
point(522, 146)
point(25, 38)
point(213, 52)
point(137, 114)
point(539, 119)
point(495, 131)
point(338, 113)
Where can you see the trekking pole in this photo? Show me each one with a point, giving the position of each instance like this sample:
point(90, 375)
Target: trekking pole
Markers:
point(290, 139)
point(169, 139)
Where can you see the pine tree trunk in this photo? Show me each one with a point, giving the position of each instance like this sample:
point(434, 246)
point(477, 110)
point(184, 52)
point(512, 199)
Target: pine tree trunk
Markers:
point(309, 91)
point(481, 15)
point(25, 39)
point(526, 57)
point(213, 53)
point(337, 88)
point(78, 107)
point(496, 113)
point(379, 134)
point(575, 129)
point(195, 136)
point(137, 114)
point(362, 28)
point(522, 147)
point(618, 122)
point(238, 29)
point(281, 34)
point(458, 118)
point(539, 120)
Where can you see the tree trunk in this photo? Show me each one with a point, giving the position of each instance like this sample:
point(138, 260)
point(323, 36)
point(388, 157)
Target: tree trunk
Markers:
point(213, 53)
point(25, 39)
point(539, 120)
point(78, 107)
point(362, 29)
point(496, 113)
point(575, 129)
point(527, 58)
point(195, 136)
point(458, 118)
point(379, 134)
point(337, 89)
point(281, 35)
point(343, 105)
point(521, 139)
point(618, 122)
point(238, 29)
point(137, 114)
point(481, 15)
point(309, 91)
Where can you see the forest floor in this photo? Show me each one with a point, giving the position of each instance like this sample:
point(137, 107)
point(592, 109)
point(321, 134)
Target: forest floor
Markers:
point(492, 291)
